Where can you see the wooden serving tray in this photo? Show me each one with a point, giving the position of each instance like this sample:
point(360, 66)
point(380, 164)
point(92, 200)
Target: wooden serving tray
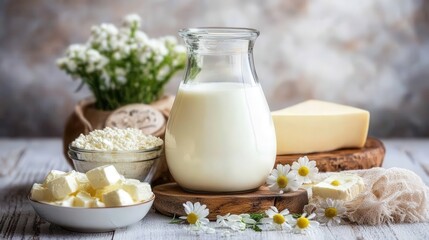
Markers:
point(371, 155)
point(170, 197)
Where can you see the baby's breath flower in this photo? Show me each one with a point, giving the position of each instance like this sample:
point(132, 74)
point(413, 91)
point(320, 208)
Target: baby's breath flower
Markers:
point(278, 220)
point(305, 169)
point(148, 64)
point(132, 20)
point(304, 223)
point(330, 211)
point(282, 179)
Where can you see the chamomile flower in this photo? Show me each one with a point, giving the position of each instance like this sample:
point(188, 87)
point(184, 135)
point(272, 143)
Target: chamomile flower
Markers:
point(282, 179)
point(195, 214)
point(232, 221)
point(330, 211)
point(305, 169)
point(278, 220)
point(304, 223)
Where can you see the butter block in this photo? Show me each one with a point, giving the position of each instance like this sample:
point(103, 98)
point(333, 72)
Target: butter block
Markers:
point(339, 186)
point(40, 193)
point(53, 175)
point(100, 192)
point(83, 199)
point(97, 203)
point(317, 126)
point(103, 176)
point(116, 198)
point(62, 186)
point(67, 202)
point(139, 191)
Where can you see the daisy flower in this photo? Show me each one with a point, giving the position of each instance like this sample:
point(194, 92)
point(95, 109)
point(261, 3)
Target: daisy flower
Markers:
point(303, 223)
point(232, 221)
point(331, 211)
point(305, 169)
point(279, 220)
point(282, 179)
point(195, 214)
point(235, 222)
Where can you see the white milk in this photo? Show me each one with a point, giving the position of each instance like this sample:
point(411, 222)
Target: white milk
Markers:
point(220, 137)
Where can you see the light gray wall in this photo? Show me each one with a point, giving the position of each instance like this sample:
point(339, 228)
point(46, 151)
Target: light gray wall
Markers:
point(372, 54)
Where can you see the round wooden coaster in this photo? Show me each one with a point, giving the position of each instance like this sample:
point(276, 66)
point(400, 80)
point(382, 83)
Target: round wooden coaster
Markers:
point(371, 155)
point(170, 198)
point(141, 116)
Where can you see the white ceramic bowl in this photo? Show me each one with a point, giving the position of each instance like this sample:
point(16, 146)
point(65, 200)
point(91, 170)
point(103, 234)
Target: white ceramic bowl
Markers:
point(92, 219)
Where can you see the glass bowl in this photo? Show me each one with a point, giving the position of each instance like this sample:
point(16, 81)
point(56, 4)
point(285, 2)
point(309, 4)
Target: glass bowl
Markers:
point(139, 164)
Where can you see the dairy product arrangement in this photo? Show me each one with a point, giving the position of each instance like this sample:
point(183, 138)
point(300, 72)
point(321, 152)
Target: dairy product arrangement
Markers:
point(100, 187)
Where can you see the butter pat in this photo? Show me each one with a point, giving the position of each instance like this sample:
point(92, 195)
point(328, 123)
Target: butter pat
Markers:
point(339, 186)
point(62, 186)
point(97, 203)
point(83, 199)
point(103, 176)
point(317, 126)
point(117, 198)
point(40, 193)
point(139, 191)
point(53, 175)
point(67, 202)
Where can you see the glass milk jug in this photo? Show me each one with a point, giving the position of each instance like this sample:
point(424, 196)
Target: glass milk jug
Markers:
point(220, 136)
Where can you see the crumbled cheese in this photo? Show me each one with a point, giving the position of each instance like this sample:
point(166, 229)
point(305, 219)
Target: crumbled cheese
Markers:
point(116, 139)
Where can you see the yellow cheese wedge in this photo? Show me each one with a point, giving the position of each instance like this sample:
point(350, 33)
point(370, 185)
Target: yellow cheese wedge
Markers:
point(317, 126)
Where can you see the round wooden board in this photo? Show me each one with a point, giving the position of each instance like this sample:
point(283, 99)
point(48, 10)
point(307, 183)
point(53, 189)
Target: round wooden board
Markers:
point(170, 198)
point(371, 155)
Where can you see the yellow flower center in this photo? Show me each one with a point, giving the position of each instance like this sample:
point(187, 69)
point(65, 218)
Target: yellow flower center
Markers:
point(303, 171)
point(302, 222)
point(282, 181)
point(192, 218)
point(330, 212)
point(278, 218)
point(335, 183)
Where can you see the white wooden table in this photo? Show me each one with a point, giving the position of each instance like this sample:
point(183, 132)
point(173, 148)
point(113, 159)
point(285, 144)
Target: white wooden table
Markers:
point(23, 162)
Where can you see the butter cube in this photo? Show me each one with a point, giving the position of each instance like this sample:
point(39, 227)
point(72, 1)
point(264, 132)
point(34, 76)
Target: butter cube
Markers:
point(116, 198)
point(62, 186)
point(53, 175)
point(139, 191)
point(97, 203)
point(40, 193)
point(103, 176)
point(67, 202)
point(82, 182)
point(100, 192)
point(339, 186)
point(83, 199)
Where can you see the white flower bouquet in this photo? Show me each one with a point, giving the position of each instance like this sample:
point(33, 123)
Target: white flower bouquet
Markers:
point(122, 65)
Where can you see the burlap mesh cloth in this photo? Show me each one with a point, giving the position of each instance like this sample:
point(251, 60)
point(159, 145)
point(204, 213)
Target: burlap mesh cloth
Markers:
point(391, 195)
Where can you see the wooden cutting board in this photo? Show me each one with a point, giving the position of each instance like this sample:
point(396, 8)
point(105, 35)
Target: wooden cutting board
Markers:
point(371, 155)
point(170, 198)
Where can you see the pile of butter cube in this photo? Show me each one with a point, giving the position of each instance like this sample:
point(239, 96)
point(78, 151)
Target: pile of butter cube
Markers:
point(100, 187)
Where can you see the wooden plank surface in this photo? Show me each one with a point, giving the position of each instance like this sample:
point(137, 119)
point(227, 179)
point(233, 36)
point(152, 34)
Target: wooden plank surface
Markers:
point(23, 162)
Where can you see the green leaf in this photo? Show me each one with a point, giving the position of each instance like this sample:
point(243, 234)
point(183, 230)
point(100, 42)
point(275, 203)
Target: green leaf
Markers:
point(176, 220)
point(257, 216)
point(256, 228)
point(296, 215)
